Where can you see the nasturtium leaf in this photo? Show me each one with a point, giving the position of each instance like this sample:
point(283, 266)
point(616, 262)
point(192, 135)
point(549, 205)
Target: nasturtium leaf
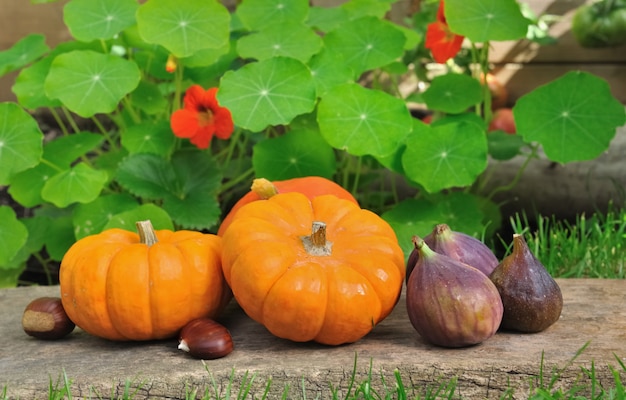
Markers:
point(446, 156)
point(153, 137)
point(206, 57)
point(88, 82)
point(327, 18)
point(90, 20)
point(26, 186)
point(80, 184)
point(362, 8)
point(13, 234)
point(574, 117)
point(290, 39)
point(63, 151)
point(294, 154)
point(148, 98)
point(452, 93)
point(23, 52)
point(260, 14)
point(28, 87)
point(127, 220)
point(329, 69)
point(91, 218)
point(504, 146)
point(486, 20)
point(417, 217)
point(21, 141)
point(184, 27)
point(268, 92)
point(366, 43)
point(29, 84)
point(363, 121)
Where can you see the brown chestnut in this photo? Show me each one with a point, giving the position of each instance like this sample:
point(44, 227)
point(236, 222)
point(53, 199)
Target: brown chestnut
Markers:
point(45, 318)
point(206, 339)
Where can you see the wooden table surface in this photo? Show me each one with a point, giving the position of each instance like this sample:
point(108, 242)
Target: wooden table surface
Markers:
point(594, 310)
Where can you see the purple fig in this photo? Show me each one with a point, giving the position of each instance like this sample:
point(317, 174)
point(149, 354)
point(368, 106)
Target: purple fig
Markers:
point(449, 303)
point(531, 297)
point(460, 246)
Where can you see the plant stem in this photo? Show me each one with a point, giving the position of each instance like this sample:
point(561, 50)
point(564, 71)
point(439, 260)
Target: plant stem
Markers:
point(518, 175)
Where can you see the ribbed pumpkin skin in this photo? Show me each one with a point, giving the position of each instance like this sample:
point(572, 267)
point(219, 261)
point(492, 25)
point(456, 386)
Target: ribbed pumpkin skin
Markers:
point(117, 288)
point(331, 299)
point(311, 186)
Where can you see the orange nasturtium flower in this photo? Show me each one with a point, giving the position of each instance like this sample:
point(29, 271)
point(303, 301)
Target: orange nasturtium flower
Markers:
point(442, 42)
point(171, 64)
point(201, 118)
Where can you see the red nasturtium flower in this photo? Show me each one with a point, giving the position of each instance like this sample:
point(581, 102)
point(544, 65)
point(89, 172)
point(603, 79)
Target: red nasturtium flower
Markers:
point(201, 118)
point(442, 42)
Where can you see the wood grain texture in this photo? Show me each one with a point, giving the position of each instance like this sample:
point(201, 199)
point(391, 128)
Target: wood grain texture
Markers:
point(594, 310)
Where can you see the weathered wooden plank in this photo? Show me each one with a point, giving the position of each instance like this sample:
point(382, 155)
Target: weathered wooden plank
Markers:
point(593, 311)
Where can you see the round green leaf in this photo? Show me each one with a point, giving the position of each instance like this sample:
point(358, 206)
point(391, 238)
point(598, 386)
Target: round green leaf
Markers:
point(290, 39)
point(452, 93)
point(88, 82)
point(268, 92)
point(13, 235)
point(29, 84)
point(329, 69)
point(366, 43)
point(22, 53)
point(327, 18)
point(445, 156)
point(80, 184)
point(126, 220)
point(26, 186)
point(260, 14)
point(90, 20)
point(573, 117)
point(486, 20)
point(91, 218)
point(504, 146)
point(64, 150)
point(363, 121)
point(296, 153)
point(21, 141)
point(148, 98)
point(153, 137)
point(184, 27)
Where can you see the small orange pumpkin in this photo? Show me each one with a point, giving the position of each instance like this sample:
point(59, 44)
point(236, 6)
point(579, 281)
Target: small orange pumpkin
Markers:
point(263, 189)
point(120, 285)
point(320, 269)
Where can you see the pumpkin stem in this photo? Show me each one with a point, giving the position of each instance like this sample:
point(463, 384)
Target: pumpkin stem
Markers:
point(316, 244)
point(146, 232)
point(263, 188)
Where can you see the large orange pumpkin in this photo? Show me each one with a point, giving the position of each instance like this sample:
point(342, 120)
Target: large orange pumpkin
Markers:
point(262, 189)
point(121, 285)
point(320, 269)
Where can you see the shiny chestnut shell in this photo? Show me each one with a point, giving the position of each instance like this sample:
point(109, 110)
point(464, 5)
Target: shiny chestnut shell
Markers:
point(45, 318)
point(205, 339)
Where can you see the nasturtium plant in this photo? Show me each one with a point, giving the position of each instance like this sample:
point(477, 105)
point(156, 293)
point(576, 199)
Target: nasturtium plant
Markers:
point(167, 110)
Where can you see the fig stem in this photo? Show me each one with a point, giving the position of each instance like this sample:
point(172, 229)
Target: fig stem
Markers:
point(422, 247)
